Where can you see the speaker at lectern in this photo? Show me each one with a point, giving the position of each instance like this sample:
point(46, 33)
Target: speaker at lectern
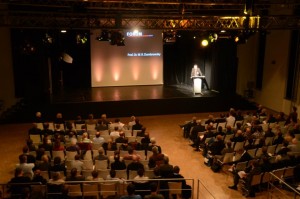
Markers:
point(197, 81)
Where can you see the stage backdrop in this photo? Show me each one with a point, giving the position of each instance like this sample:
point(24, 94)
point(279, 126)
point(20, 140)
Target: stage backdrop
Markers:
point(139, 62)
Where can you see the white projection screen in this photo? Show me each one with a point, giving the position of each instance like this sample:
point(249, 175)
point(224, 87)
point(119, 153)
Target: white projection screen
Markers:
point(139, 62)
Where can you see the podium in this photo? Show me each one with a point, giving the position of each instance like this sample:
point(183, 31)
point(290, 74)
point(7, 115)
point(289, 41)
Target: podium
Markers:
point(197, 80)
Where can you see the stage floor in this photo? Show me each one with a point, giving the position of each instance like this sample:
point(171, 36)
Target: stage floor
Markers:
point(125, 93)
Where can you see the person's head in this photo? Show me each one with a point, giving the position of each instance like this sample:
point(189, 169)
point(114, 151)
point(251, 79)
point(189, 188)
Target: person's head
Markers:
point(195, 66)
point(90, 116)
point(59, 115)
point(198, 122)
point(238, 125)
point(137, 121)
point(38, 114)
point(101, 151)
point(95, 174)
point(73, 141)
point(132, 118)
point(29, 142)
point(117, 158)
point(84, 135)
point(103, 116)
point(45, 158)
point(112, 173)
point(97, 134)
point(219, 138)
point(116, 128)
point(57, 126)
point(176, 169)
point(228, 127)
point(56, 176)
point(141, 172)
point(130, 189)
point(23, 159)
point(166, 160)
point(239, 133)
point(130, 150)
point(155, 150)
point(25, 149)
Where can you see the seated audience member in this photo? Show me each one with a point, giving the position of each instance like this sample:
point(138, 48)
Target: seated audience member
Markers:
point(58, 166)
point(225, 150)
point(56, 186)
point(130, 154)
point(195, 130)
point(59, 119)
point(220, 131)
point(34, 130)
point(131, 122)
point(210, 119)
point(38, 177)
point(125, 146)
point(79, 120)
point(202, 139)
point(187, 127)
point(137, 125)
point(58, 130)
point(44, 164)
point(30, 158)
point(98, 139)
point(94, 176)
point(112, 176)
point(57, 146)
point(142, 132)
point(186, 189)
point(155, 159)
point(165, 169)
point(115, 132)
point(46, 145)
point(75, 176)
point(46, 131)
point(238, 137)
point(103, 123)
point(110, 145)
point(30, 145)
point(118, 164)
point(26, 167)
point(145, 141)
point(141, 182)
point(121, 139)
point(73, 146)
point(117, 124)
point(38, 117)
point(77, 163)
point(17, 191)
point(135, 165)
point(250, 144)
point(131, 193)
point(154, 194)
point(217, 146)
point(229, 130)
point(82, 130)
point(91, 119)
point(39, 153)
point(247, 174)
point(152, 144)
point(102, 156)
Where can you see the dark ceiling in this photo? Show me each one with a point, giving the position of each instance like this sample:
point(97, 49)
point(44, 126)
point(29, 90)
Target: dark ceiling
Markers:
point(159, 14)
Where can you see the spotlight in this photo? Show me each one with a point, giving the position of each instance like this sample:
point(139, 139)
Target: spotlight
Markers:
point(204, 42)
point(81, 39)
point(105, 36)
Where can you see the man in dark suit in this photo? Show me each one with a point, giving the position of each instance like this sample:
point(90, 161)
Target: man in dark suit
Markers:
point(247, 174)
point(195, 130)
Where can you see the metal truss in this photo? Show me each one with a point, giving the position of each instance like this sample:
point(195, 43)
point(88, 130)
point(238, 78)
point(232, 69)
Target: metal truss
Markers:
point(158, 14)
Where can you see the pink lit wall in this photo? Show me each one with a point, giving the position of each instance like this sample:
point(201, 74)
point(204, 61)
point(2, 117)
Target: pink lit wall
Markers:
point(139, 62)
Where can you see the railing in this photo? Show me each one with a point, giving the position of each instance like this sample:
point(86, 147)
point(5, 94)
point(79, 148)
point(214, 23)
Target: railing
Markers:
point(277, 191)
point(203, 191)
point(99, 190)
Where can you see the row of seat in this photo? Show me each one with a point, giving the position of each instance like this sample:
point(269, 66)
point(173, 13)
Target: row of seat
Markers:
point(101, 189)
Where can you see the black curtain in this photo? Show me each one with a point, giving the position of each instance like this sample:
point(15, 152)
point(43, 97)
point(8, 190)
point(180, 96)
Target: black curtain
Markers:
point(217, 61)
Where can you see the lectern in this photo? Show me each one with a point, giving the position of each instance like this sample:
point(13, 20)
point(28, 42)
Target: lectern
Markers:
point(197, 80)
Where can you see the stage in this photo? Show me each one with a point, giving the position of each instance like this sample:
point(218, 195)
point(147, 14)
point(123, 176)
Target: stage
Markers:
point(125, 101)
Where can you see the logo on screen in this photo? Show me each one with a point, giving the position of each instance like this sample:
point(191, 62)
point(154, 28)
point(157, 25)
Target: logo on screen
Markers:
point(138, 34)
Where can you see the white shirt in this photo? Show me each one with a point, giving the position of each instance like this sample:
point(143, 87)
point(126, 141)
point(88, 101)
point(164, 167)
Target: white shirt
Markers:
point(99, 140)
point(230, 120)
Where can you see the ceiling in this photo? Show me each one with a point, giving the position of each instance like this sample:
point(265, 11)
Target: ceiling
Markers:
point(158, 14)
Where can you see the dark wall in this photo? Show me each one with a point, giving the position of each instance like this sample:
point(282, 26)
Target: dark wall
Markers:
point(217, 61)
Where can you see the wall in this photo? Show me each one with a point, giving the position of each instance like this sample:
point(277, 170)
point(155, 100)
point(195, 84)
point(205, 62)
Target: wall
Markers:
point(247, 59)
point(6, 70)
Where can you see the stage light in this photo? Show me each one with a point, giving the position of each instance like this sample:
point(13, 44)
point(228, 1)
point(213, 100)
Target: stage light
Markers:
point(236, 39)
point(63, 31)
point(248, 7)
point(204, 42)
point(105, 36)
